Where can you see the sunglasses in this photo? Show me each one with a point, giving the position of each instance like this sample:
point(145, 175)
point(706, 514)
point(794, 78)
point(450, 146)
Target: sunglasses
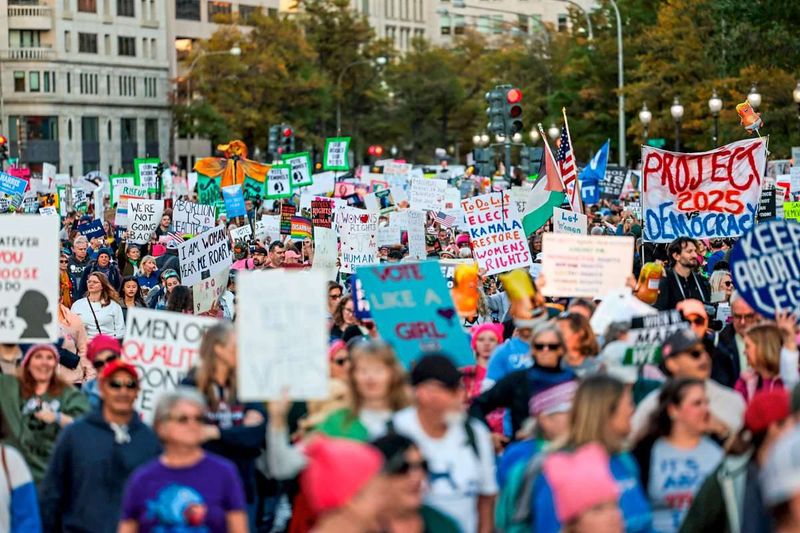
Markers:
point(698, 321)
point(185, 419)
point(695, 354)
point(727, 283)
point(62, 261)
point(335, 296)
point(403, 467)
point(541, 346)
point(100, 364)
point(341, 361)
point(117, 385)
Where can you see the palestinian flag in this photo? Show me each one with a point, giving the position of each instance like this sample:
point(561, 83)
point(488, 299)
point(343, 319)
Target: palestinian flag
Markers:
point(547, 193)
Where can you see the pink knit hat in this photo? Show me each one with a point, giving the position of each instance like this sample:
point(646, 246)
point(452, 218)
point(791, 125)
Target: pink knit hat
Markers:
point(100, 343)
point(36, 348)
point(335, 347)
point(337, 469)
point(580, 481)
point(497, 329)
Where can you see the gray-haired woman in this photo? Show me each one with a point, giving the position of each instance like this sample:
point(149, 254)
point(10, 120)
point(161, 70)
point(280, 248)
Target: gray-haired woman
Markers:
point(186, 485)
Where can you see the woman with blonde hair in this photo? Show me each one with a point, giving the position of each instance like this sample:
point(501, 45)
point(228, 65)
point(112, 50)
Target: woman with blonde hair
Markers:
point(148, 274)
point(721, 286)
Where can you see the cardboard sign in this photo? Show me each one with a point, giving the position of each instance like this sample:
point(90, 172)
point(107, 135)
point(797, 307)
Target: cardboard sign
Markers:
point(252, 189)
point(234, 201)
point(29, 288)
point(163, 346)
point(205, 255)
point(323, 184)
point(126, 193)
point(613, 181)
point(321, 213)
point(300, 165)
point(146, 174)
point(413, 311)
point(326, 251)
point(336, 154)
point(427, 194)
point(279, 182)
point(242, 233)
point(287, 212)
point(268, 229)
point(585, 266)
point(48, 176)
point(648, 333)
point(190, 218)
point(705, 195)
point(498, 240)
point(765, 266)
point(116, 181)
point(30, 203)
point(388, 236)
point(92, 230)
point(206, 293)
point(12, 188)
point(358, 230)
point(381, 201)
point(269, 360)
point(143, 219)
point(569, 222)
point(416, 235)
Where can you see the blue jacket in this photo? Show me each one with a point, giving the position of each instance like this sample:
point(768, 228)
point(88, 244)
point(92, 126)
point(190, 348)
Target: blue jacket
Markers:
point(82, 489)
point(632, 501)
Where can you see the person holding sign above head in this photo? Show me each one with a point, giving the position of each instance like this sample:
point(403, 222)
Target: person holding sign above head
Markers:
point(682, 282)
point(100, 310)
point(112, 435)
point(128, 259)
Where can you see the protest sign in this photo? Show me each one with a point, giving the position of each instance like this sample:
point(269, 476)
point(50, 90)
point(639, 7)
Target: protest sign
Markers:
point(48, 210)
point(252, 189)
point(208, 190)
point(569, 222)
point(791, 210)
point(80, 202)
point(358, 231)
point(301, 228)
point(613, 181)
point(206, 293)
point(29, 287)
point(766, 204)
point(268, 229)
point(413, 310)
point(323, 184)
point(287, 212)
point(326, 250)
point(648, 333)
point(427, 194)
point(704, 195)
point(498, 241)
point(12, 188)
point(49, 199)
point(336, 154)
point(321, 213)
point(204, 255)
point(360, 302)
point(242, 233)
point(416, 235)
point(145, 172)
point(269, 360)
point(279, 182)
point(388, 236)
point(519, 197)
point(116, 181)
point(30, 203)
point(585, 266)
point(163, 346)
point(126, 193)
point(190, 218)
point(143, 219)
point(48, 176)
point(92, 230)
point(234, 201)
point(448, 268)
point(765, 266)
point(300, 165)
point(794, 180)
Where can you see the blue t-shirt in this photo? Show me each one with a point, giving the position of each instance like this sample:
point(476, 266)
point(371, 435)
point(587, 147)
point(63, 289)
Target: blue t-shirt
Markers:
point(514, 454)
point(514, 354)
point(183, 500)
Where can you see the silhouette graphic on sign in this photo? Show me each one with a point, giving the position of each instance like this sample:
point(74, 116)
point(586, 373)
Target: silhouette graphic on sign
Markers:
point(32, 308)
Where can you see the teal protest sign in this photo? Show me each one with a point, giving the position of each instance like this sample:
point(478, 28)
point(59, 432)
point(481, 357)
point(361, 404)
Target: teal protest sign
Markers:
point(413, 311)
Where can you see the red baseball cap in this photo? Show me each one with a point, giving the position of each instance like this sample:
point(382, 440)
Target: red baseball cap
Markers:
point(118, 365)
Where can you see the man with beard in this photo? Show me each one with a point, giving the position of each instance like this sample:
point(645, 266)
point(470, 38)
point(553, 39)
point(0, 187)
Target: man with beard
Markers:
point(681, 282)
point(260, 258)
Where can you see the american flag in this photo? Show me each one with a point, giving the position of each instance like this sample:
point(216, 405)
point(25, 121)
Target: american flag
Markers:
point(569, 171)
point(444, 219)
point(172, 236)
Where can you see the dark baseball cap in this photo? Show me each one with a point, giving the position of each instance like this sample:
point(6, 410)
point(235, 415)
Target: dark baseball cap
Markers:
point(679, 342)
point(436, 367)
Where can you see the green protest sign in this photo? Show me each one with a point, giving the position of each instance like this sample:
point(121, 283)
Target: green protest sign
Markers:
point(301, 168)
point(146, 174)
point(336, 151)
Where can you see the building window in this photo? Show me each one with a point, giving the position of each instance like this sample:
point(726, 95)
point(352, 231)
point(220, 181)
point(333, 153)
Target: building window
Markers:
point(88, 83)
point(365, 7)
point(67, 41)
point(150, 87)
point(150, 131)
point(87, 43)
point(187, 9)
point(33, 82)
point(126, 46)
point(218, 10)
point(49, 79)
point(562, 22)
point(19, 81)
point(108, 84)
point(69, 129)
point(87, 6)
point(246, 13)
point(69, 82)
point(459, 23)
point(522, 23)
point(127, 86)
point(153, 49)
point(125, 8)
point(89, 129)
point(24, 39)
point(272, 12)
point(108, 129)
point(128, 130)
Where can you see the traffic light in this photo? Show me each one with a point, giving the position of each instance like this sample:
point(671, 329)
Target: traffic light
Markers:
point(484, 161)
point(494, 112)
point(530, 159)
point(512, 111)
point(3, 148)
point(287, 140)
point(375, 150)
point(274, 139)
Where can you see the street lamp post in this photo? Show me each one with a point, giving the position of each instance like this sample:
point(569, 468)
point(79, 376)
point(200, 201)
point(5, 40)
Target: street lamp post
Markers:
point(620, 86)
point(476, 139)
point(378, 61)
point(553, 132)
point(796, 96)
point(534, 134)
point(754, 98)
point(234, 51)
point(715, 106)
point(677, 114)
point(645, 116)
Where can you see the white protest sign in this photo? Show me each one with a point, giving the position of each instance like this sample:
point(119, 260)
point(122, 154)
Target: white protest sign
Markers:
point(191, 180)
point(416, 235)
point(190, 218)
point(269, 227)
point(126, 192)
point(648, 333)
point(358, 230)
point(498, 240)
point(206, 293)
point(569, 222)
point(204, 255)
point(49, 210)
point(585, 266)
point(163, 346)
point(29, 288)
point(242, 233)
point(143, 219)
point(48, 176)
point(326, 250)
point(324, 182)
point(427, 194)
point(388, 236)
point(269, 360)
point(279, 182)
point(301, 168)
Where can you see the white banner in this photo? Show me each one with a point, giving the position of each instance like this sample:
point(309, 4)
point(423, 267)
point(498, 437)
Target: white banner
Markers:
point(205, 255)
point(206, 293)
point(191, 218)
point(416, 235)
point(427, 194)
point(143, 219)
point(358, 230)
point(498, 240)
